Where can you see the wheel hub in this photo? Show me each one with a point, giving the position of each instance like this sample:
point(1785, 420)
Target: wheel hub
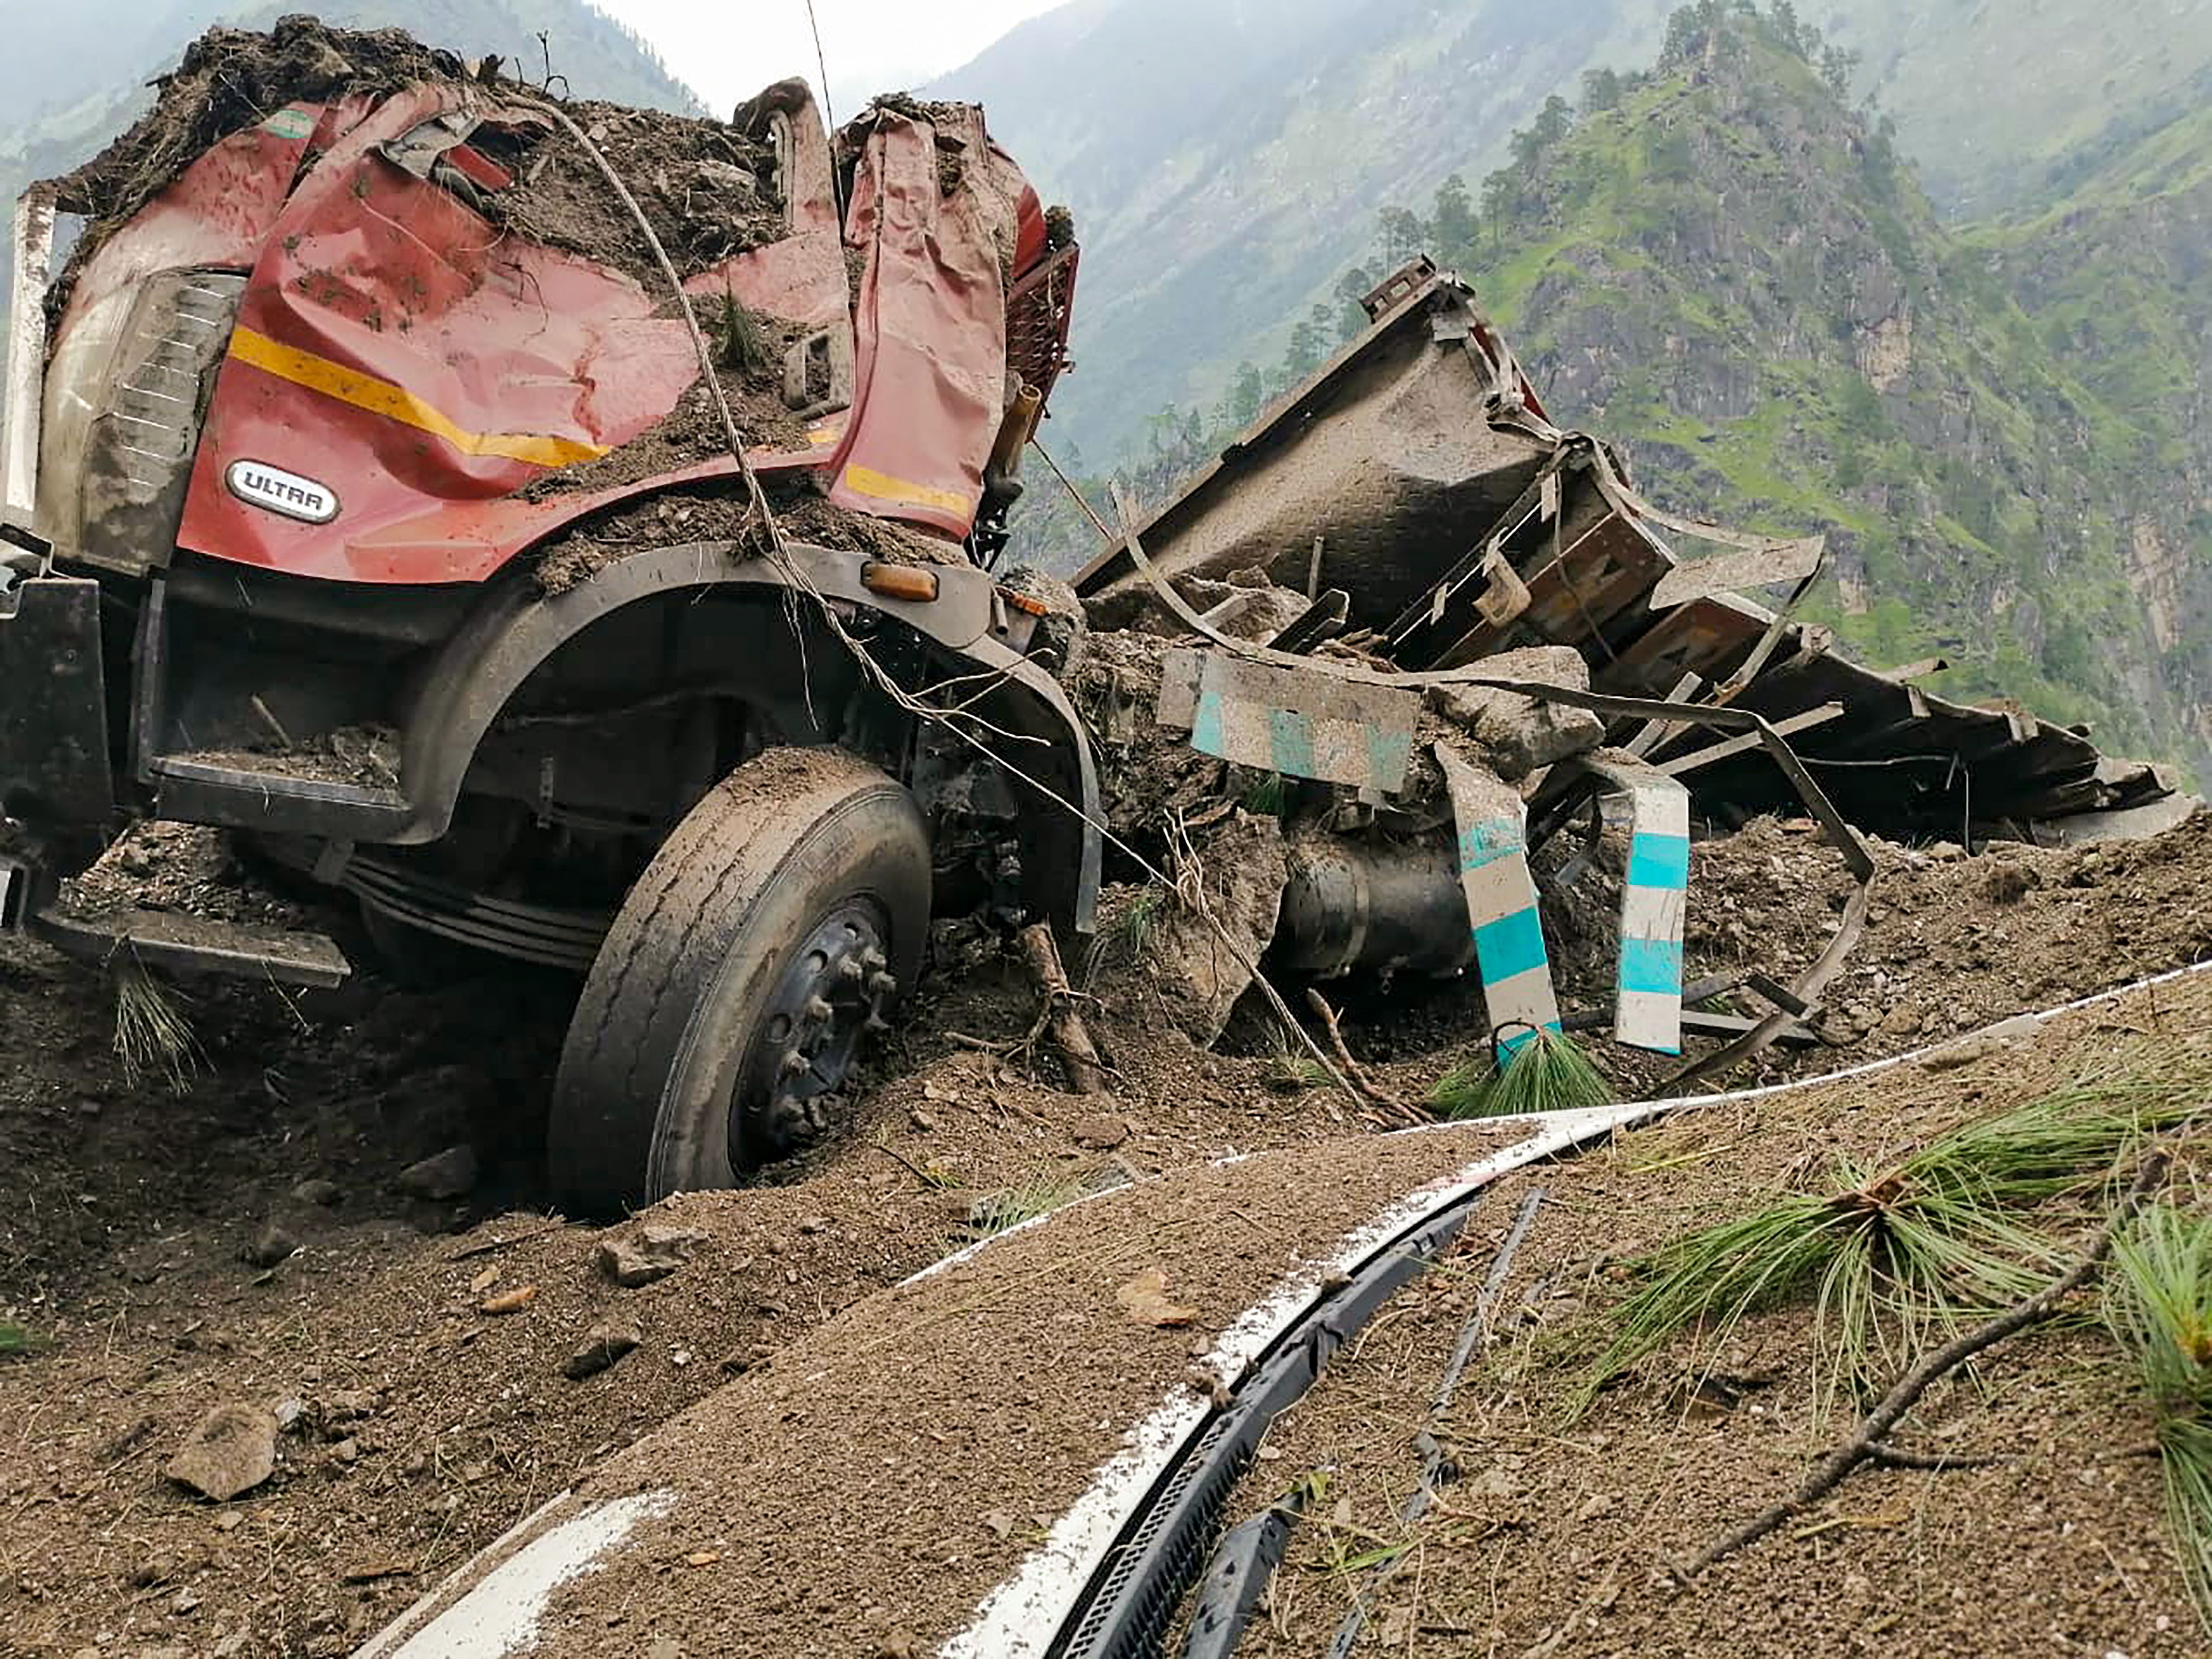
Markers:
point(830, 997)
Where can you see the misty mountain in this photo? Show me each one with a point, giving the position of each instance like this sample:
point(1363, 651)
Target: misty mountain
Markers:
point(1225, 159)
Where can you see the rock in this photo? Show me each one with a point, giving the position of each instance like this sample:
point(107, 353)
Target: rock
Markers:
point(1517, 735)
point(187, 1601)
point(1199, 976)
point(1101, 1133)
point(508, 1302)
point(604, 1344)
point(726, 179)
point(233, 1450)
point(348, 1450)
point(349, 1406)
point(648, 1251)
point(1145, 1300)
point(271, 1245)
point(449, 1173)
point(317, 1191)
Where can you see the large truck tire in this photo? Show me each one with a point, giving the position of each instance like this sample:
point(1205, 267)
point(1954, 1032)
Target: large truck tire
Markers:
point(763, 941)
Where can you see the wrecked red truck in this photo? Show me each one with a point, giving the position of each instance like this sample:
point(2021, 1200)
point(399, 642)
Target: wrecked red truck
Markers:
point(573, 531)
point(365, 490)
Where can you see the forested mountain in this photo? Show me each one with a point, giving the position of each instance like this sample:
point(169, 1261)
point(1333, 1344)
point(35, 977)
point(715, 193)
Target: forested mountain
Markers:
point(1225, 159)
point(1731, 267)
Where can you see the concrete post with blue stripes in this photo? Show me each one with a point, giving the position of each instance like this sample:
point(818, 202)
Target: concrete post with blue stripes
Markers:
point(1501, 903)
point(1648, 983)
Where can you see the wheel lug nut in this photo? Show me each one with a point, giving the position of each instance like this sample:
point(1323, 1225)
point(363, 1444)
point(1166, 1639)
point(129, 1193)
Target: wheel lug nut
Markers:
point(849, 970)
point(818, 1008)
point(871, 957)
point(793, 1063)
point(882, 985)
point(875, 1025)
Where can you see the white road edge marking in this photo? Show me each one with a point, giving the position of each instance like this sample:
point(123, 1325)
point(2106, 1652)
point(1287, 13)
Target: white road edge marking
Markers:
point(1022, 1616)
point(500, 1613)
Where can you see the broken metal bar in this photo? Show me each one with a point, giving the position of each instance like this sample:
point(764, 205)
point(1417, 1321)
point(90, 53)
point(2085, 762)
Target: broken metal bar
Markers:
point(1501, 904)
point(181, 944)
point(1737, 569)
point(1698, 758)
point(1777, 993)
point(1915, 671)
point(1654, 733)
point(1654, 893)
point(1319, 621)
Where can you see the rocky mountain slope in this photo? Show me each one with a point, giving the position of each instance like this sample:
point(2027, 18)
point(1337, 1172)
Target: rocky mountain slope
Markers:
point(1725, 267)
point(1739, 276)
point(2117, 278)
point(1225, 159)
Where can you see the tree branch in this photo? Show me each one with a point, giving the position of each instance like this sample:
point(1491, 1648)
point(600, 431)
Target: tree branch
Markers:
point(1873, 1429)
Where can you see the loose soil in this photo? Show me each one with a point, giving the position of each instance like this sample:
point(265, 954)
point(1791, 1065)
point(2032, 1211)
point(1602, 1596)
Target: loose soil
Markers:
point(134, 1206)
point(1555, 1536)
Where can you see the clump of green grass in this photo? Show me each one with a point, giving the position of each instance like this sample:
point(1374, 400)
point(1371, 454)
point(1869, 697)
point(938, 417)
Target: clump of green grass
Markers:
point(16, 1341)
point(153, 1035)
point(1126, 938)
point(744, 349)
point(2158, 1303)
point(1269, 797)
point(1291, 1068)
point(1894, 1258)
point(1008, 1207)
point(1549, 1074)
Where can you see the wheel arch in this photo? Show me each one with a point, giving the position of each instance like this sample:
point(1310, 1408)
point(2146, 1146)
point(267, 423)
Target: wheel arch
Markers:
point(1026, 721)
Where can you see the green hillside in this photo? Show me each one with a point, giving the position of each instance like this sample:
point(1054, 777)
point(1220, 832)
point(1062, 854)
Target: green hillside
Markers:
point(1225, 159)
point(1724, 266)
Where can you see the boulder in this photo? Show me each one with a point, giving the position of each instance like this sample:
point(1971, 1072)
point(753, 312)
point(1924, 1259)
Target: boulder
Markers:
point(1517, 735)
point(1244, 870)
point(449, 1173)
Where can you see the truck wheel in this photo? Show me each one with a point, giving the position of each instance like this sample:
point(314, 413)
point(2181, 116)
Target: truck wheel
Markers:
point(761, 945)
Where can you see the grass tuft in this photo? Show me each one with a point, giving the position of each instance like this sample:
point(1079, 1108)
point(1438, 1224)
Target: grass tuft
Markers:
point(1549, 1074)
point(16, 1341)
point(1126, 939)
point(1008, 1207)
point(1269, 796)
point(153, 1035)
point(2158, 1303)
point(1895, 1258)
point(744, 350)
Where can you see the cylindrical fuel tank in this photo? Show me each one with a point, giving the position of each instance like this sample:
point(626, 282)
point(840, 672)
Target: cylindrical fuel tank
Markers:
point(1374, 902)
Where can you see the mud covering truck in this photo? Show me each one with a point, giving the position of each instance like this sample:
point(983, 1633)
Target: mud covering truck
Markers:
point(364, 491)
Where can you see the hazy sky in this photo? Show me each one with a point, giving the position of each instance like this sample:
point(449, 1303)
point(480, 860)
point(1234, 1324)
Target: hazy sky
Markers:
point(728, 52)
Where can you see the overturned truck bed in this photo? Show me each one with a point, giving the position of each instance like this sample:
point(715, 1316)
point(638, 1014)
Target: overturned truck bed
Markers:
point(1418, 473)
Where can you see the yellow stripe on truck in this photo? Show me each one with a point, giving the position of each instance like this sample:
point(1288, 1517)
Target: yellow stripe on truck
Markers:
point(882, 487)
point(395, 402)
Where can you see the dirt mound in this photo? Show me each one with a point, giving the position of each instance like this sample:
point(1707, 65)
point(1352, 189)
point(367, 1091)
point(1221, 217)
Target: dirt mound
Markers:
point(136, 1207)
point(716, 512)
point(229, 80)
point(706, 189)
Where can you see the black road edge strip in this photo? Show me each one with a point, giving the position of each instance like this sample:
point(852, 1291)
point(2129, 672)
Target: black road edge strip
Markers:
point(1125, 1611)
